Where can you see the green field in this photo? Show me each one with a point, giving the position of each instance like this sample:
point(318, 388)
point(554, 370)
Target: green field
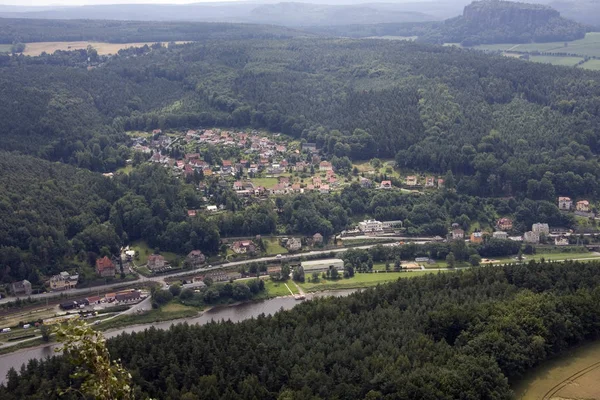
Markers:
point(5, 48)
point(274, 248)
point(588, 46)
point(593, 65)
point(278, 289)
point(565, 61)
point(267, 183)
point(360, 280)
point(570, 376)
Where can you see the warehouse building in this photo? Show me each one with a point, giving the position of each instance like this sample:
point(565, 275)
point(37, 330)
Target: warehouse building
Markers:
point(322, 265)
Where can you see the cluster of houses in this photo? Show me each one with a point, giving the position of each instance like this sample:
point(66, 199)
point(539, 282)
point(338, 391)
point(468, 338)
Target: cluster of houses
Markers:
point(582, 207)
point(504, 225)
point(263, 149)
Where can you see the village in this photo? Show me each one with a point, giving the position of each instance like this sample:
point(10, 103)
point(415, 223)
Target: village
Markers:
point(261, 165)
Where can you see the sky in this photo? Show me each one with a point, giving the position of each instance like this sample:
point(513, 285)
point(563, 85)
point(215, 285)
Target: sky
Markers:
point(88, 2)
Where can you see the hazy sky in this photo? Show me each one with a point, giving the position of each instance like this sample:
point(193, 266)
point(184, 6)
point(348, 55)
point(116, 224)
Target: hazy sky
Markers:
point(86, 2)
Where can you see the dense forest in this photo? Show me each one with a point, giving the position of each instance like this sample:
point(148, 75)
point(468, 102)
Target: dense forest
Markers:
point(497, 123)
point(497, 127)
point(462, 335)
point(51, 213)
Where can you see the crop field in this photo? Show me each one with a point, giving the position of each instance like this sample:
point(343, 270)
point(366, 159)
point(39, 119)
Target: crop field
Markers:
point(575, 375)
point(37, 48)
point(594, 65)
point(5, 48)
point(588, 46)
point(565, 61)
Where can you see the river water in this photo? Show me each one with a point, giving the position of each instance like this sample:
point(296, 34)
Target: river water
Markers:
point(226, 313)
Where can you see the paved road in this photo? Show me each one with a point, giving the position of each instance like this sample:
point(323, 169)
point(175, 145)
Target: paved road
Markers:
point(160, 279)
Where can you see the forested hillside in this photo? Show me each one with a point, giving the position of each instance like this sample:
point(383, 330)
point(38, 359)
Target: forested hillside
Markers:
point(51, 213)
point(462, 335)
point(495, 122)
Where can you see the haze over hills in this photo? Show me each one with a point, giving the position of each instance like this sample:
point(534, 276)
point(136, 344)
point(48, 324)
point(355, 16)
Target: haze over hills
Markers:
point(285, 13)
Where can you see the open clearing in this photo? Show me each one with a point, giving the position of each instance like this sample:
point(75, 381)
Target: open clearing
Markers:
point(360, 280)
point(565, 61)
point(37, 48)
point(588, 46)
point(575, 375)
point(274, 248)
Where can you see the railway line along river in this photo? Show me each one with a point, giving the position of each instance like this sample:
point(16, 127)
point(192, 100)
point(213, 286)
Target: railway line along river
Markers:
point(234, 313)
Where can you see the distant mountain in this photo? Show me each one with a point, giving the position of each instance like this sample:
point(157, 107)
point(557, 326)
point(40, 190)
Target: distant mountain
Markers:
point(303, 14)
point(256, 11)
point(497, 21)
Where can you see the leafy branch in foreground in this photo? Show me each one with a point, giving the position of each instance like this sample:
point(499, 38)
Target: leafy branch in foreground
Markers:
point(86, 350)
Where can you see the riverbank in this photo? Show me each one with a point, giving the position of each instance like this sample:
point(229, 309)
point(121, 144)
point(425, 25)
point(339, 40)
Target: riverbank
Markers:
point(234, 313)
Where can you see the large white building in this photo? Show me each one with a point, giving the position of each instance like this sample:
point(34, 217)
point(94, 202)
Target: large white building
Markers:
point(541, 229)
point(322, 265)
point(370, 225)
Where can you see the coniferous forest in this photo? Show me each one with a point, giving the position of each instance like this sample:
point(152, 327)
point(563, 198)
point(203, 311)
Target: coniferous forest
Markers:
point(465, 335)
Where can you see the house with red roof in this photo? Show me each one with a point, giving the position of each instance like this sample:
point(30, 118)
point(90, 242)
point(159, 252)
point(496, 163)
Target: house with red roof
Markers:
point(105, 267)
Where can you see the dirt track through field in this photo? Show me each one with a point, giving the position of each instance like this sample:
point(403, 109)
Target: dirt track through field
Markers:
point(552, 392)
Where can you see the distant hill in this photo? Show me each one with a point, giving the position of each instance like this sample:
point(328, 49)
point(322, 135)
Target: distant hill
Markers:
point(256, 11)
point(49, 30)
point(303, 14)
point(497, 21)
point(482, 22)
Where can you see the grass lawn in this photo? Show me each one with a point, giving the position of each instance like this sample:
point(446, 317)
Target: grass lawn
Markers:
point(125, 170)
point(277, 289)
point(361, 280)
point(566, 376)
point(144, 251)
point(267, 183)
point(274, 248)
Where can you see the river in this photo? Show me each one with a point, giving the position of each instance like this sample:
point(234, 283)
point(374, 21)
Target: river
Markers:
point(235, 313)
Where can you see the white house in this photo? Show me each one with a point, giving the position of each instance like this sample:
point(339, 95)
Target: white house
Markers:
point(565, 203)
point(370, 225)
point(541, 229)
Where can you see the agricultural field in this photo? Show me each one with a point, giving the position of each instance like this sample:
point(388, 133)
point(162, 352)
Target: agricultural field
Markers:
point(5, 48)
point(565, 61)
point(35, 49)
point(588, 46)
point(575, 375)
point(593, 65)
